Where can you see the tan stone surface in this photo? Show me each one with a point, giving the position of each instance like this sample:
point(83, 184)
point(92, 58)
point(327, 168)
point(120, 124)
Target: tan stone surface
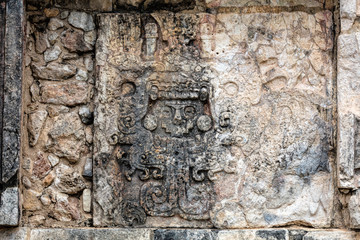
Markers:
point(270, 105)
point(58, 84)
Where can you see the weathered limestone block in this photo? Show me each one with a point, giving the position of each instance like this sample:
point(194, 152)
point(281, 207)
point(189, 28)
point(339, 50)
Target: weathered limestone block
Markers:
point(96, 234)
point(9, 208)
point(82, 20)
point(36, 122)
point(66, 93)
point(67, 137)
point(54, 24)
point(41, 43)
point(276, 3)
point(68, 180)
point(52, 54)
point(31, 200)
point(53, 71)
point(348, 12)
point(14, 233)
point(213, 120)
point(12, 88)
point(67, 208)
point(86, 197)
point(190, 234)
point(349, 111)
point(354, 210)
point(75, 41)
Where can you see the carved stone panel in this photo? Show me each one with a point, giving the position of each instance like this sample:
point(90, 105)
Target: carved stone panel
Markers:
point(213, 120)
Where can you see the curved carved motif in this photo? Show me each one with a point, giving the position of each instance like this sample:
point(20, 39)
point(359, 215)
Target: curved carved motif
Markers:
point(132, 213)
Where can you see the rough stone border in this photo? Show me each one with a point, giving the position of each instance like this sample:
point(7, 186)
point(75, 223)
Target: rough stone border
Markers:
point(176, 234)
point(11, 59)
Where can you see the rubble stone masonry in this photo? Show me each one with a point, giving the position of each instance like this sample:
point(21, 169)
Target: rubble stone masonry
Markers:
point(180, 119)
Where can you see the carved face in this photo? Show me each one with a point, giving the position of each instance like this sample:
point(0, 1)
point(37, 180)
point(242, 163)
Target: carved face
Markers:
point(176, 117)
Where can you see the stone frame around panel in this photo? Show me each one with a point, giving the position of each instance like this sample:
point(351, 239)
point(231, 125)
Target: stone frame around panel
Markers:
point(11, 64)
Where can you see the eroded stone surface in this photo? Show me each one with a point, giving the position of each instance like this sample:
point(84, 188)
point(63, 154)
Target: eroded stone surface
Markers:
point(223, 118)
point(9, 208)
point(82, 20)
point(35, 124)
point(68, 93)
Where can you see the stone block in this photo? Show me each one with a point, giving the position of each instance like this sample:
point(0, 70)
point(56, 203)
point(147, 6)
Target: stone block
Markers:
point(68, 180)
point(348, 84)
point(86, 200)
point(66, 137)
point(93, 5)
point(12, 89)
point(185, 134)
point(65, 93)
point(348, 10)
point(9, 208)
point(82, 21)
point(35, 123)
point(150, 234)
point(53, 71)
point(14, 233)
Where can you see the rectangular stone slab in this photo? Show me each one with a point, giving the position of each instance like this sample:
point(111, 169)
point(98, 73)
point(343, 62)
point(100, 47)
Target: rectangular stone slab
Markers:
point(208, 120)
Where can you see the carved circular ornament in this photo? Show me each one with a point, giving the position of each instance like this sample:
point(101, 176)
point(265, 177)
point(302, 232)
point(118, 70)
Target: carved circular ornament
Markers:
point(204, 123)
point(127, 123)
point(150, 122)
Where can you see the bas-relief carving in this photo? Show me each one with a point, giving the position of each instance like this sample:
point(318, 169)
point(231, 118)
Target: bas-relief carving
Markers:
point(197, 122)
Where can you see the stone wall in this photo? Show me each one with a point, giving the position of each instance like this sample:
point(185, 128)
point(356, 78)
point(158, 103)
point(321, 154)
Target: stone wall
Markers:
point(190, 114)
point(59, 75)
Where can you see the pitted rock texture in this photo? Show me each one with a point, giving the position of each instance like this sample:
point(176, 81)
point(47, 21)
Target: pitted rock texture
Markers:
point(208, 120)
point(59, 80)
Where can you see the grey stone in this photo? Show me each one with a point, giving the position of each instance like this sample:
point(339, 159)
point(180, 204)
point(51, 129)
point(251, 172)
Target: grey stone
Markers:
point(81, 75)
point(35, 92)
point(9, 208)
point(52, 37)
point(45, 200)
point(12, 93)
point(55, 24)
point(67, 137)
point(86, 115)
point(67, 208)
point(41, 43)
point(149, 234)
point(81, 20)
point(90, 37)
point(93, 233)
point(86, 197)
point(54, 160)
point(14, 233)
point(36, 122)
point(89, 63)
point(354, 210)
point(164, 234)
point(53, 71)
point(52, 54)
point(88, 171)
point(64, 14)
point(26, 182)
point(68, 180)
